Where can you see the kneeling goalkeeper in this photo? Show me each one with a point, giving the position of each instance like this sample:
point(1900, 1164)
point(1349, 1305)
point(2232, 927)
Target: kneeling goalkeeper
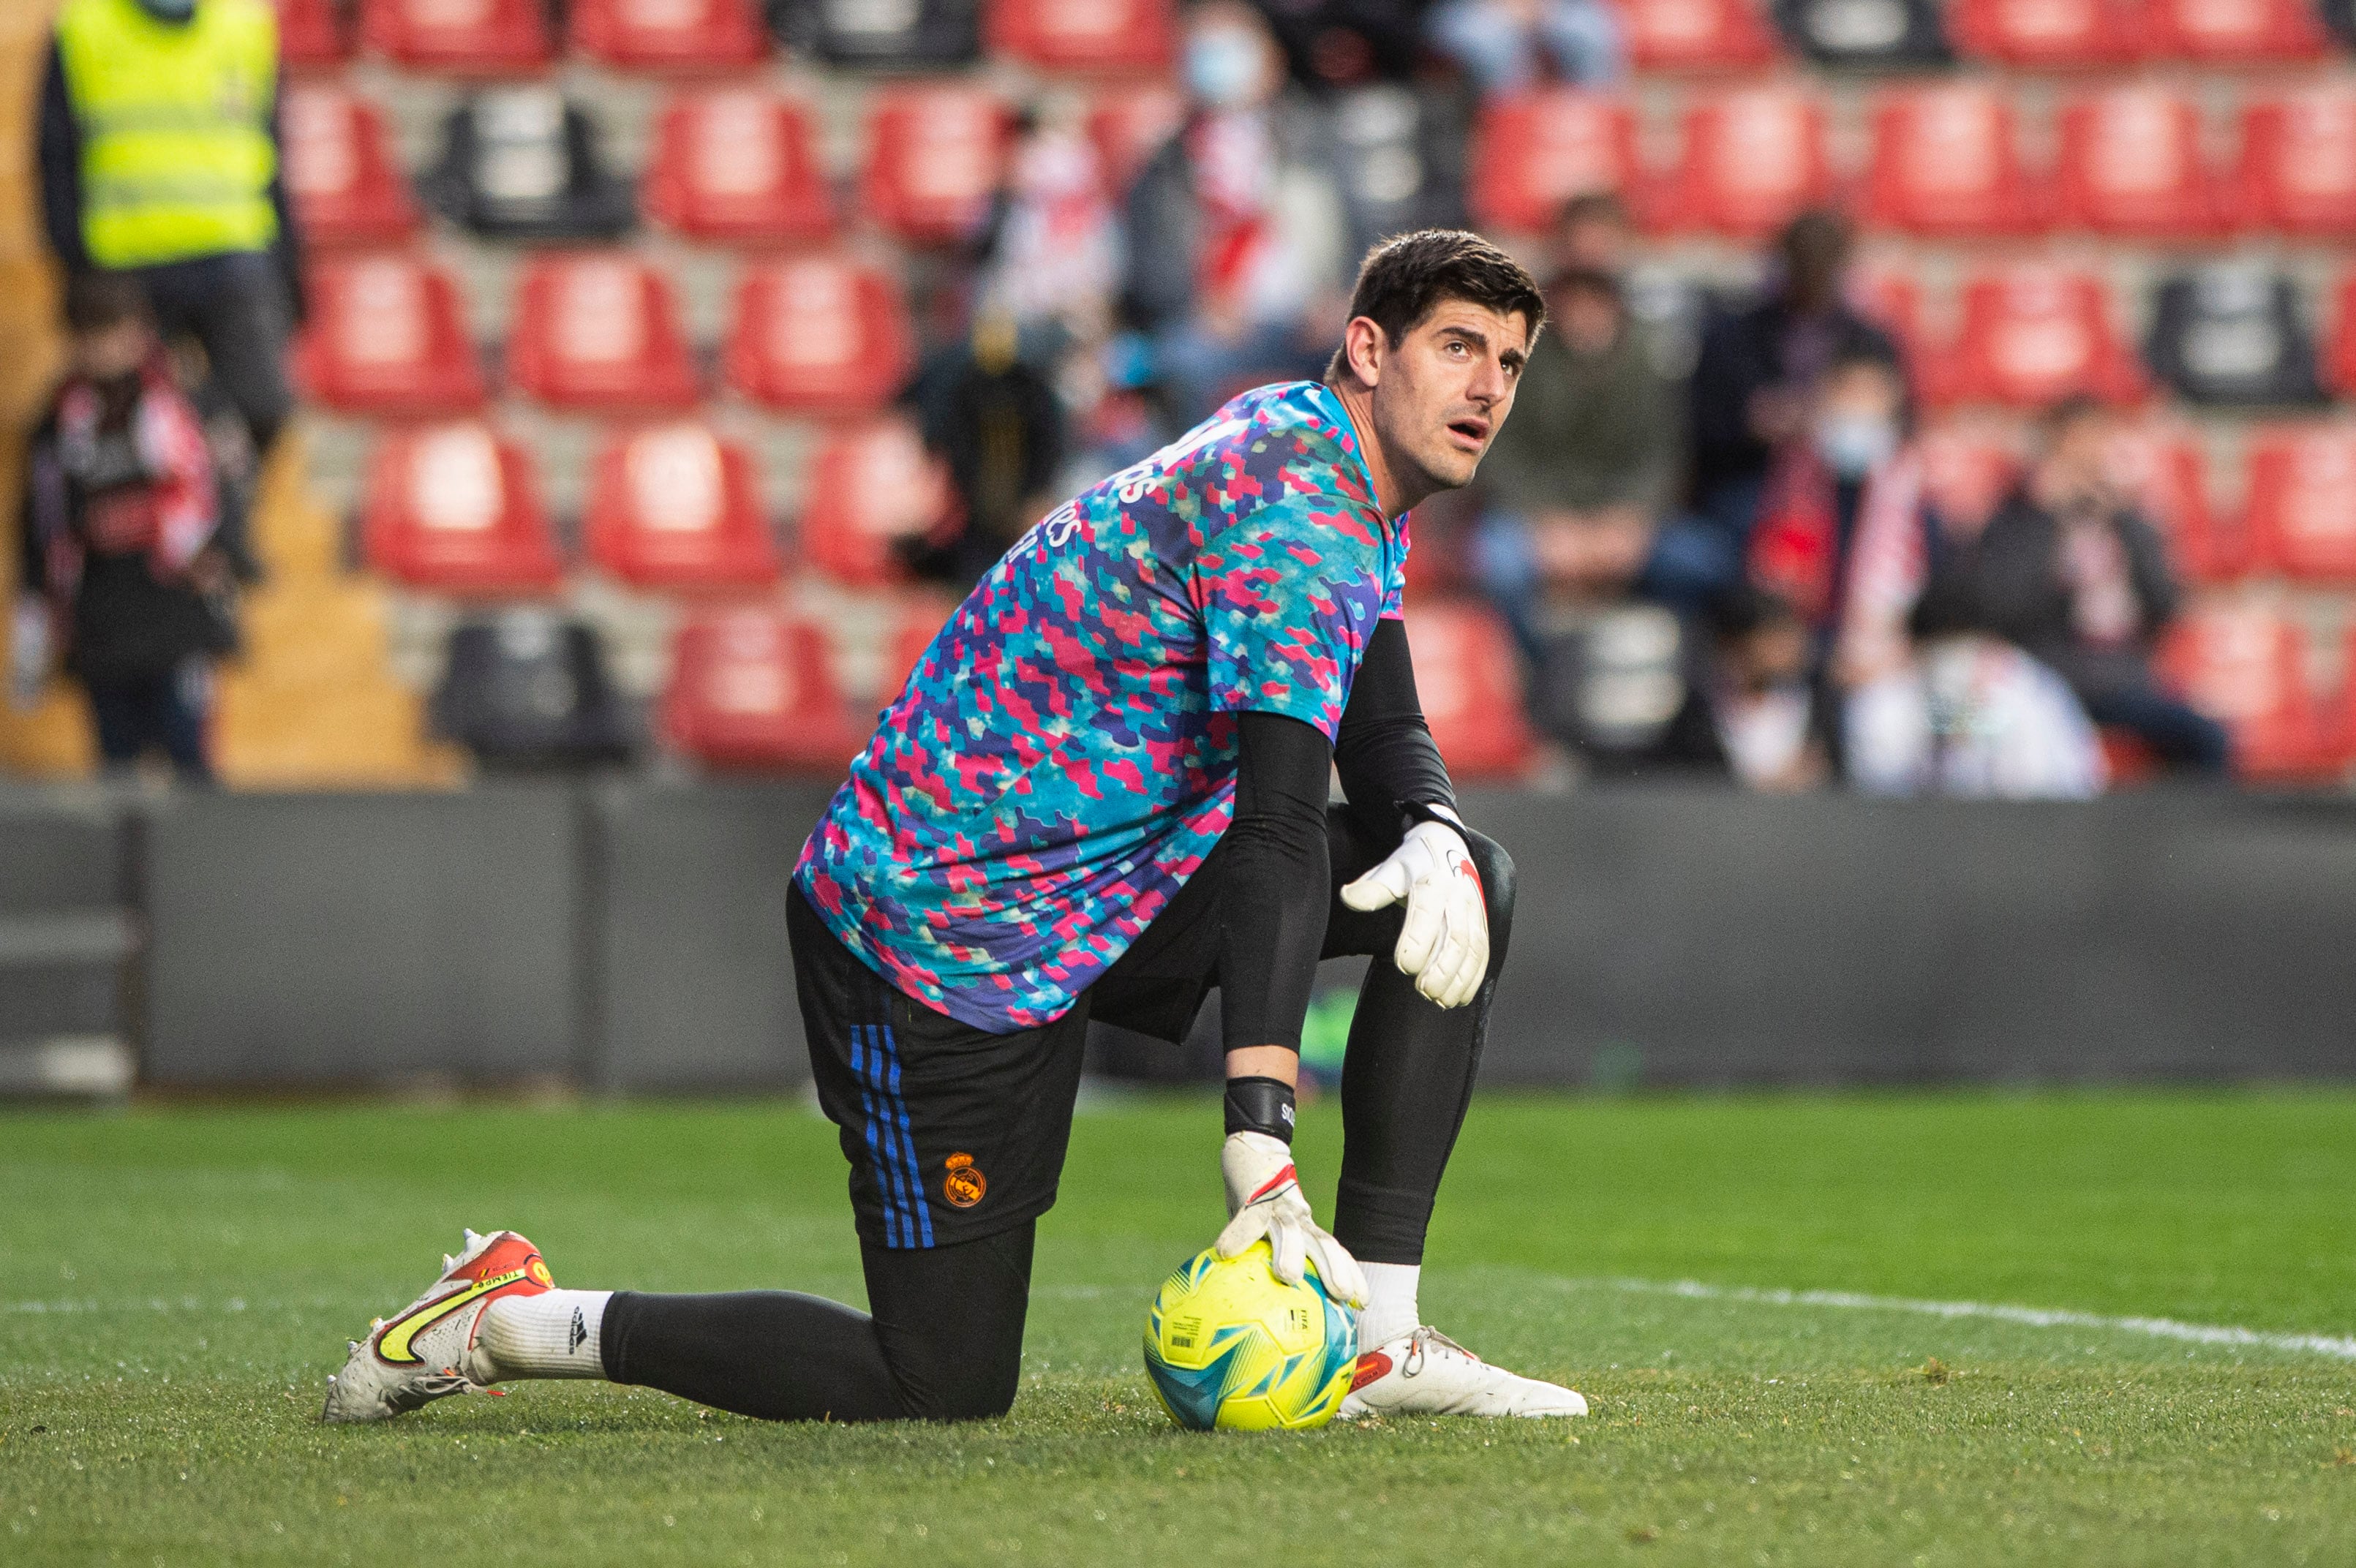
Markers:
point(1102, 792)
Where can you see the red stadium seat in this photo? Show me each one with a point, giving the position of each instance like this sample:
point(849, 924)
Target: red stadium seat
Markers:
point(2160, 465)
point(1968, 472)
point(673, 507)
point(2233, 32)
point(311, 35)
point(2244, 665)
point(1752, 157)
point(2298, 163)
point(1946, 164)
point(599, 332)
point(1123, 36)
point(459, 38)
point(2046, 35)
point(387, 335)
point(1471, 690)
point(2131, 165)
point(1129, 125)
point(737, 166)
point(454, 508)
point(2034, 333)
point(934, 156)
point(1891, 298)
point(1696, 35)
point(750, 688)
point(1534, 152)
point(2301, 519)
point(670, 34)
point(2339, 349)
point(343, 182)
point(819, 334)
point(869, 489)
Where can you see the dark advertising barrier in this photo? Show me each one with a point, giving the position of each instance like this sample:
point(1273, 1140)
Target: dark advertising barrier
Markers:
point(632, 936)
point(364, 939)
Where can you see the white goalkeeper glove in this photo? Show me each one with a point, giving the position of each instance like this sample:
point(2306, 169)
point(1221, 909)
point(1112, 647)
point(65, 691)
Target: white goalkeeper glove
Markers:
point(1444, 945)
point(1265, 1200)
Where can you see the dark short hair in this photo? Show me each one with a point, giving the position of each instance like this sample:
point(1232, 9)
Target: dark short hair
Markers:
point(1404, 279)
point(97, 301)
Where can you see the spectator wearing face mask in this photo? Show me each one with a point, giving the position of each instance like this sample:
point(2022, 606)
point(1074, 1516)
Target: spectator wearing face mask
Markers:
point(1754, 381)
point(2068, 570)
point(1234, 229)
point(1503, 43)
point(121, 572)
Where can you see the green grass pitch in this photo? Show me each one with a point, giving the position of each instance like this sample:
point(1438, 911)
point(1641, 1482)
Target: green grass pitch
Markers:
point(176, 1283)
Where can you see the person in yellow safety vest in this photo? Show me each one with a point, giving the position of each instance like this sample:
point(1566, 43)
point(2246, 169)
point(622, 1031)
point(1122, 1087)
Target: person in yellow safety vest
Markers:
point(159, 157)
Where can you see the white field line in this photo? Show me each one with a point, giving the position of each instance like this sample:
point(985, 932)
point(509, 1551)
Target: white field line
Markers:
point(2338, 1346)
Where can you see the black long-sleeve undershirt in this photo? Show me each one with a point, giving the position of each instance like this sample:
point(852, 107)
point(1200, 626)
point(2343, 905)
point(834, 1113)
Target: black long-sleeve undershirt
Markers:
point(1272, 923)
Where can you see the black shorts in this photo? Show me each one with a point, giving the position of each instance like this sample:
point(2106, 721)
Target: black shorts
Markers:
point(953, 1133)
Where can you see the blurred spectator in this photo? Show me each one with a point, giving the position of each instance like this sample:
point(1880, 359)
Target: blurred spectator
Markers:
point(1233, 228)
point(1578, 477)
point(121, 572)
point(1053, 248)
point(1969, 715)
point(1593, 235)
point(2068, 570)
point(159, 154)
point(1762, 700)
point(1501, 44)
point(994, 419)
point(1754, 383)
point(1343, 43)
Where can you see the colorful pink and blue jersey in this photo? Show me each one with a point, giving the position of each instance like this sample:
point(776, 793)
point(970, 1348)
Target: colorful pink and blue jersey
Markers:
point(1064, 755)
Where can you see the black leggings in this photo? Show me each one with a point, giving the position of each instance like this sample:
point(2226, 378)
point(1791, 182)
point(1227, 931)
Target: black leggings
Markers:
point(781, 1356)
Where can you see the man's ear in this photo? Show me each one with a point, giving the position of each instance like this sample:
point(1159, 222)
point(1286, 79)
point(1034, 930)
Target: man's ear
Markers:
point(1361, 346)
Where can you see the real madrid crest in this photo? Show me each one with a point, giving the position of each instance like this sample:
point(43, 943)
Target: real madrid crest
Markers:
point(964, 1185)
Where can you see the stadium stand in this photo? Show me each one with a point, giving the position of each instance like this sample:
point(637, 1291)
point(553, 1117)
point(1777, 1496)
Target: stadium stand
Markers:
point(1083, 35)
point(526, 690)
point(2234, 32)
point(936, 153)
point(456, 508)
point(341, 180)
point(1532, 152)
point(1946, 164)
point(2244, 665)
point(313, 35)
point(751, 688)
point(682, 35)
point(1753, 156)
point(819, 334)
point(1969, 469)
point(480, 38)
point(1866, 35)
point(2300, 518)
point(2229, 333)
point(600, 332)
point(387, 336)
point(871, 487)
point(2046, 35)
point(2298, 173)
point(1470, 686)
point(2033, 332)
point(675, 507)
point(925, 35)
point(2339, 351)
point(735, 166)
point(1696, 36)
point(2131, 165)
point(522, 162)
point(2160, 463)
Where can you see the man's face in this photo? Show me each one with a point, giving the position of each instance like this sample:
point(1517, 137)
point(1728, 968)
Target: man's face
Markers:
point(114, 351)
point(1444, 390)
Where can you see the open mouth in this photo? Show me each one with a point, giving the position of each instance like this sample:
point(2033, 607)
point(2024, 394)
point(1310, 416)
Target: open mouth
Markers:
point(1473, 433)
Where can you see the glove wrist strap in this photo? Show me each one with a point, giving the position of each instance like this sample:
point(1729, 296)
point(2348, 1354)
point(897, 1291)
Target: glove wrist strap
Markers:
point(1439, 811)
point(1262, 1106)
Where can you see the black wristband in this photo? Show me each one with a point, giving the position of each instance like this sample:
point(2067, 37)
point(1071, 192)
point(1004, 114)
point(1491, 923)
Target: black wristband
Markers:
point(1415, 811)
point(1261, 1105)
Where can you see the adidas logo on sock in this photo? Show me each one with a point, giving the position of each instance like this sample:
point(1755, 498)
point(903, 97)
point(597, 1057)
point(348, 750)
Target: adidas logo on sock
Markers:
point(580, 1332)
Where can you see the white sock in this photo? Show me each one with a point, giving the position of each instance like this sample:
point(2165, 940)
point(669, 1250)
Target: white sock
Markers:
point(1390, 1309)
point(552, 1335)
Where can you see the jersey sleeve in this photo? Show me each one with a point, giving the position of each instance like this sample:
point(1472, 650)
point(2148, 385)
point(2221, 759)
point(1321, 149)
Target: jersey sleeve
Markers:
point(1289, 593)
point(1394, 585)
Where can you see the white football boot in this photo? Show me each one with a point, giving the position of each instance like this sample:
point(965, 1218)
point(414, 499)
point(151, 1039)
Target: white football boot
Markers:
point(428, 1352)
point(1425, 1372)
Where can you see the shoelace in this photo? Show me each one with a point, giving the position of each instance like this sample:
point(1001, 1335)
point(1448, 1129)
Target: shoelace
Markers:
point(1415, 1348)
